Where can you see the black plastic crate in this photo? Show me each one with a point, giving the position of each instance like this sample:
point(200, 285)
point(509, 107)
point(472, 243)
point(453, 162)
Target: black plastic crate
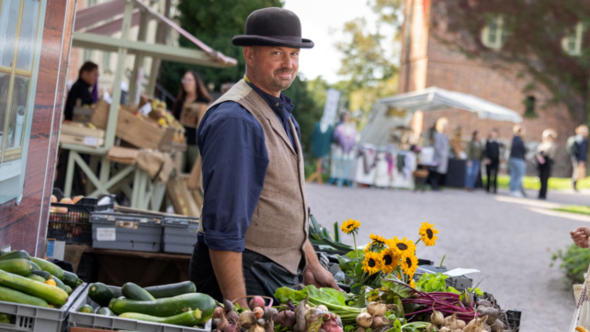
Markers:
point(512, 319)
point(73, 227)
point(88, 268)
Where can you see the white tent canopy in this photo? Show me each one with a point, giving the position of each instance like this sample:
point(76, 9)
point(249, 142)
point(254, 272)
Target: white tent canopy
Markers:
point(380, 124)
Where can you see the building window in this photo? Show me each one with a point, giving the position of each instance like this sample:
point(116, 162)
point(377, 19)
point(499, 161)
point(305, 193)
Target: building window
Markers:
point(88, 55)
point(572, 44)
point(106, 62)
point(494, 34)
point(529, 103)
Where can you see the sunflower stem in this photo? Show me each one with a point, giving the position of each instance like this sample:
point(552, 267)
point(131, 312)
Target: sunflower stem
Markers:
point(355, 247)
point(420, 239)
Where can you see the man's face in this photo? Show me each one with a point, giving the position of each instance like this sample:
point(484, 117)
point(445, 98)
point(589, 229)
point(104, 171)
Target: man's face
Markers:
point(274, 67)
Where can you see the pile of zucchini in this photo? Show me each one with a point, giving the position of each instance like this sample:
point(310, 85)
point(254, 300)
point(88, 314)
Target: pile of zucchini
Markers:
point(34, 281)
point(176, 304)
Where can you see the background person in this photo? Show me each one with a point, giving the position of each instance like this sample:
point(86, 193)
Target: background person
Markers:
point(545, 156)
point(474, 154)
point(441, 154)
point(492, 159)
point(517, 161)
point(579, 154)
point(81, 90)
point(192, 90)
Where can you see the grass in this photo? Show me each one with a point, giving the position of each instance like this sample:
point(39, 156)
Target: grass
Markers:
point(579, 209)
point(532, 182)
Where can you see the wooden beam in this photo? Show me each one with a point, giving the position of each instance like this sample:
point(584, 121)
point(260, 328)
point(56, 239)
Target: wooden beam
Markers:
point(135, 85)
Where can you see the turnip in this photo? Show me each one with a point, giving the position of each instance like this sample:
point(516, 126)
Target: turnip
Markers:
point(484, 303)
point(256, 301)
point(246, 319)
point(476, 325)
point(461, 324)
point(451, 322)
point(228, 305)
point(261, 322)
point(364, 320)
point(498, 326)
point(444, 329)
point(286, 318)
point(222, 323)
point(218, 313)
point(376, 308)
point(360, 329)
point(300, 322)
point(231, 328)
point(322, 308)
point(258, 312)
point(271, 314)
point(492, 313)
point(256, 328)
point(437, 318)
point(331, 326)
point(232, 317)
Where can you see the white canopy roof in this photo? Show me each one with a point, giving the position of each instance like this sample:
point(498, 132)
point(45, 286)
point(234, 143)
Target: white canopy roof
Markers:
point(380, 124)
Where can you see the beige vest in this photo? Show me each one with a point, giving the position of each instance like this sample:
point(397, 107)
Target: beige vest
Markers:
point(279, 226)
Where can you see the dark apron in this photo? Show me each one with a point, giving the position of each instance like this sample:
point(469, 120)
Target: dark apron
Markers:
point(261, 275)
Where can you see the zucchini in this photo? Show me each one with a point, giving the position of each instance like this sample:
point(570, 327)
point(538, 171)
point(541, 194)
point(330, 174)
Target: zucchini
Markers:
point(70, 279)
point(35, 266)
point(20, 266)
point(51, 294)
point(11, 295)
point(100, 293)
point(189, 318)
point(104, 311)
point(49, 267)
point(171, 290)
point(167, 307)
point(61, 285)
point(134, 292)
point(116, 291)
point(86, 308)
point(37, 278)
point(17, 254)
point(43, 274)
point(68, 290)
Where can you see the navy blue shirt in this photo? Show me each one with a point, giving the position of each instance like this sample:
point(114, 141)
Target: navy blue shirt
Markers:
point(232, 145)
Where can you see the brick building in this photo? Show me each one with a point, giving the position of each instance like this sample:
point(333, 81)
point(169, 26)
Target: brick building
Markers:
point(426, 62)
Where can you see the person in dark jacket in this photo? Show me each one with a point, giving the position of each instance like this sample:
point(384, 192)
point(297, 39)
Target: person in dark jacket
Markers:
point(193, 90)
point(546, 152)
point(474, 155)
point(517, 162)
point(492, 160)
point(80, 90)
point(580, 155)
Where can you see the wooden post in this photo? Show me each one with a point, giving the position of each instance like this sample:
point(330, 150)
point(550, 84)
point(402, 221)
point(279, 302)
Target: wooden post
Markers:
point(162, 32)
point(139, 58)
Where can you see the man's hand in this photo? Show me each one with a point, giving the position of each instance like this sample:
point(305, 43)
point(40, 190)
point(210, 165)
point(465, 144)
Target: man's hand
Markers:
point(488, 161)
point(580, 236)
point(469, 163)
point(314, 273)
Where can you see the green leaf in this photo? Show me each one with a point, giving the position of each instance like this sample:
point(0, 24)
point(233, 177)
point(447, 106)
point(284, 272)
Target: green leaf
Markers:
point(328, 295)
point(286, 294)
point(353, 254)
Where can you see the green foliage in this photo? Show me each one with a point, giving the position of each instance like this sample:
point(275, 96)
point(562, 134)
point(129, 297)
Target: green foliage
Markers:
point(579, 209)
point(532, 182)
point(432, 282)
point(574, 263)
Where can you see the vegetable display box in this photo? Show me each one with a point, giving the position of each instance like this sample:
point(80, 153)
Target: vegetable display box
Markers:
point(126, 232)
point(88, 320)
point(180, 234)
point(37, 319)
point(73, 226)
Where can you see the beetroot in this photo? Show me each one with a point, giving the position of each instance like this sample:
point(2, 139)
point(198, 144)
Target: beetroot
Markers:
point(256, 301)
point(232, 317)
point(331, 326)
point(286, 318)
point(231, 328)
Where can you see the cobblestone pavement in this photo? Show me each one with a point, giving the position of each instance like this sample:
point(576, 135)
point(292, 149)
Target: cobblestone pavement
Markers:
point(509, 240)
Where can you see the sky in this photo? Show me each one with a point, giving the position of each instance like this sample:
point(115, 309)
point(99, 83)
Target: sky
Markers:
point(318, 19)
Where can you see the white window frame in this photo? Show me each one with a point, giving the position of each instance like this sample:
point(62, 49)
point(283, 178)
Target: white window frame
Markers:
point(577, 38)
point(501, 34)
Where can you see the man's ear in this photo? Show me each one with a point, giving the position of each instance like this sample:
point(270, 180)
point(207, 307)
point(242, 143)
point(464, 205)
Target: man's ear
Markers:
point(249, 55)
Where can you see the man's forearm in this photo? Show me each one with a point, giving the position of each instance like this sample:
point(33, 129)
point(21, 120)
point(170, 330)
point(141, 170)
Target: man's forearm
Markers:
point(228, 271)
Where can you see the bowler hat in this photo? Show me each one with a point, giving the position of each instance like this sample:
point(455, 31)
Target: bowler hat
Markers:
point(272, 27)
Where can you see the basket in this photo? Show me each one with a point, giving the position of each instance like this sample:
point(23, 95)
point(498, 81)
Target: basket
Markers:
point(87, 320)
point(121, 231)
point(37, 319)
point(73, 227)
point(180, 234)
point(88, 268)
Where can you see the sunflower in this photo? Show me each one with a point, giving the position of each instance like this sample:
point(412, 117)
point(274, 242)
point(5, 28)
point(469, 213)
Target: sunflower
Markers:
point(372, 263)
point(404, 246)
point(427, 233)
point(390, 260)
point(350, 226)
point(412, 284)
point(409, 265)
point(378, 242)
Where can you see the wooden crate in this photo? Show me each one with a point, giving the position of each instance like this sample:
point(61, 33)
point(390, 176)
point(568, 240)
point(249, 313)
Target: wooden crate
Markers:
point(79, 134)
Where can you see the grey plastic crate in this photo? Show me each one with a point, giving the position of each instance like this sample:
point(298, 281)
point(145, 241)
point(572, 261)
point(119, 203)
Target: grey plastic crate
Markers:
point(129, 232)
point(180, 234)
point(37, 319)
point(81, 319)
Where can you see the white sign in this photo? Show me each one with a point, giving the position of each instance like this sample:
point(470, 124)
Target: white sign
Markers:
point(331, 108)
point(55, 249)
point(460, 272)
point(106, 234)
point(91, 141)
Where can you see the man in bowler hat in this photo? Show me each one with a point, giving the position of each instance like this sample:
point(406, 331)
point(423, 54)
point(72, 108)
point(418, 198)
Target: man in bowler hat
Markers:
point(253, 232)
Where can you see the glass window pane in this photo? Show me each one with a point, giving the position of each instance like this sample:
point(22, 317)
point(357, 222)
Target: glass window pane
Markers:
point(26, 40)
point(4, 90)
point(18, 110)
point(8, 23)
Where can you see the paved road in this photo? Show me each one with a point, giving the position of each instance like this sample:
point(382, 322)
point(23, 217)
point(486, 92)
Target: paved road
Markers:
point(509, 240)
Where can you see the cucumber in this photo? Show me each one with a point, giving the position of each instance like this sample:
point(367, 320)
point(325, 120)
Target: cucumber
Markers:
point(20, 266)
point(61, 285)
point(51, 294)
point(167, 307)
point(171, 290)
point(43, 274)
point(11, 295)
point(86, 308)
point(70, 279)
point(37, 278)
point(49, 267)
point(116, 291)
point(189, 318)
point(17, 254)
point(35, 266)
point(104, 311)
point(100, 293)
point(134, 292)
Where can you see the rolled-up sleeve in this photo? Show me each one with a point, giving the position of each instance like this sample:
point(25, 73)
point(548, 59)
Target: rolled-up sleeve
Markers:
point(234, 160)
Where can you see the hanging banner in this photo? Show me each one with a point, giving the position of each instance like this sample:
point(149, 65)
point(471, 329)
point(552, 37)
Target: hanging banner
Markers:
point(331, 108)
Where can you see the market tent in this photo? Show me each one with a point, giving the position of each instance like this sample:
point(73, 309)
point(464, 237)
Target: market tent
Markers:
point(395, 111)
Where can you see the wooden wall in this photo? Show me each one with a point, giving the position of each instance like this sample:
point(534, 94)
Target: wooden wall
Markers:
point(24, 226)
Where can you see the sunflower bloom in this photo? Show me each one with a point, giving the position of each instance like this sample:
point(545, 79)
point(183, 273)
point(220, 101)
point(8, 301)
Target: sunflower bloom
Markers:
point(409, 265)
point(390, 260)
point(372, 263)
point(350, 226)
point(406, 247)
point(427, 233)
point(412, 284)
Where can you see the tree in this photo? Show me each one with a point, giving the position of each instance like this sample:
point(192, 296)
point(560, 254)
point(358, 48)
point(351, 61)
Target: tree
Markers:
point(535, 32)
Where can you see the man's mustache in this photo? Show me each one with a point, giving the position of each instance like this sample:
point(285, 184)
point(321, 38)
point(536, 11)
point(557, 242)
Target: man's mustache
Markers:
point(283, 71)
